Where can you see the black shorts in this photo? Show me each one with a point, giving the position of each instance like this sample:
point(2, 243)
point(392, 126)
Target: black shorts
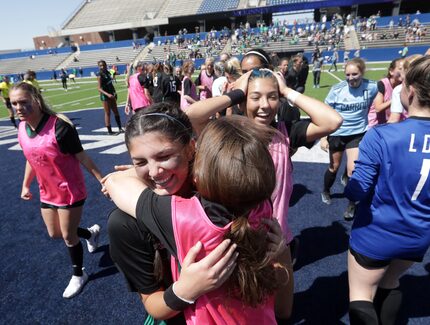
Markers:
point(368, 262)
point(51, 206)
point(105, 98)
point(7, 103)
point(341, 142)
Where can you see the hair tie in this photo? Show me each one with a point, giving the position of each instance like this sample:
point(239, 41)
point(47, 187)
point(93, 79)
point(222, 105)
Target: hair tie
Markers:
point(261, 211)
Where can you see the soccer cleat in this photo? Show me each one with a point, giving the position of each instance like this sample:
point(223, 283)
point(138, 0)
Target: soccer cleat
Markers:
point(325, 197)
point(350, 211)
point(76, 285)
point(344, 179)
point(93, 242)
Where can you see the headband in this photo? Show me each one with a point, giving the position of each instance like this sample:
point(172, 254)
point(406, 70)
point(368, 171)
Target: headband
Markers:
point(258, 54)
point(168, 116)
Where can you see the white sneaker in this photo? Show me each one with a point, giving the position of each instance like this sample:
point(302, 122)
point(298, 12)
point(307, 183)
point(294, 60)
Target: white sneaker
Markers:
point(325, 197)
point(75, 285)
point(93, 242)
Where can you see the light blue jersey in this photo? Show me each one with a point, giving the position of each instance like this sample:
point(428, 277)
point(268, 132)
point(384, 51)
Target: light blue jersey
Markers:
point(392, 182)
point(353, 105)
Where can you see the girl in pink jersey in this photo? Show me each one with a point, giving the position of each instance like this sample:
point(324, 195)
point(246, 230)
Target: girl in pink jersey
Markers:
point(205, 79)
point(138, 93)
point(235, 173)
point(54, 153)
point(259, 92)
point(379, 112)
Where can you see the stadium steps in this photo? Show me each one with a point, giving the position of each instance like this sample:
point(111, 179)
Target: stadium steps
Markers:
point(68, 60)
point(351, 41)
point(144, 53)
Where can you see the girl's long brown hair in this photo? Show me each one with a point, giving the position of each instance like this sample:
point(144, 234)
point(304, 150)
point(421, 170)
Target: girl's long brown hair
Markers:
point(233, 167)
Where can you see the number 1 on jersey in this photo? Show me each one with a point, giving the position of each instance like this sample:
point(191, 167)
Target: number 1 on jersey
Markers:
point(425, 169)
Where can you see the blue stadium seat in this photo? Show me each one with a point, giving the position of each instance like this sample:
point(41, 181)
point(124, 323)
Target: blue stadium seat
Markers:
point(209, 6)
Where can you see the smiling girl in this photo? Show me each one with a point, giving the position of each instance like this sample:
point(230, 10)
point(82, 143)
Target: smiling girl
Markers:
point(54, 153)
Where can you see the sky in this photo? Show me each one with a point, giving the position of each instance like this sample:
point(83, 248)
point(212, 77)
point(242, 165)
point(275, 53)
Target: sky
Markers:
point(24, 19)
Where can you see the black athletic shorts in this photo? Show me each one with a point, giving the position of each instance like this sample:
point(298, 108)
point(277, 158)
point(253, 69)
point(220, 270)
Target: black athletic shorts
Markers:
point(369, 262)
point(51, 206)
point(105, 98)
point(7, 103)
point(342, 142)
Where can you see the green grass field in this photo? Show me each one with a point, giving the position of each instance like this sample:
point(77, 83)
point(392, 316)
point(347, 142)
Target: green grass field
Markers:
point(83, 94)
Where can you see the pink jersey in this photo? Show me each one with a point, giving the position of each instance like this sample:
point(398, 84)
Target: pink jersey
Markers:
point(207, 81)
point(136, 94)
point(381, 117)
point(190, 225)
point(193, 94)
point(279, 150)
point(59, 175)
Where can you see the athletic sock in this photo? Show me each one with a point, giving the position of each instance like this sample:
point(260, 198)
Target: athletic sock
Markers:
point(12, 119)
point(84, 233)
point(329, 179)
point(77, 257)
point(118, 121)
point(109, 128)
point(387, 304)
point(362, 312)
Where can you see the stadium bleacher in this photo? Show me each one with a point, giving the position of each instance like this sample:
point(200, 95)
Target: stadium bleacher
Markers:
point(110, 12)
point(121, 55)
point(35, 62)
point(208, 6)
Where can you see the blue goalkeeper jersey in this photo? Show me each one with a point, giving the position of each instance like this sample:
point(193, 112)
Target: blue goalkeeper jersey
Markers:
point(353, 105)
point(392, 182)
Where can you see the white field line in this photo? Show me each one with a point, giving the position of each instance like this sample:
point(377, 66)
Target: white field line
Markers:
point(334, 76)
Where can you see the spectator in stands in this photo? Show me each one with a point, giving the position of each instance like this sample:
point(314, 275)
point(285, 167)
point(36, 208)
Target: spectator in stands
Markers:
point(379, 112)
point(205, 79)
point(381, 248)
point(5, 86)
point(108, 96)
point(188, 94)
point(138, 96)
point(64, 76)
point(352, 99)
